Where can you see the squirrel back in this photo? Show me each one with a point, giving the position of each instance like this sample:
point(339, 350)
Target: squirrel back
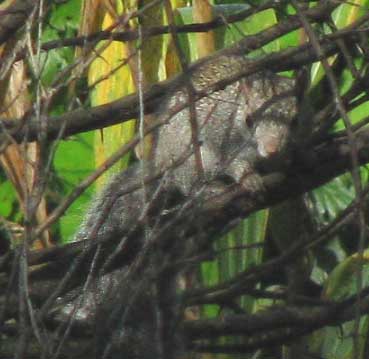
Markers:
point(247, 120)
point(240, 125)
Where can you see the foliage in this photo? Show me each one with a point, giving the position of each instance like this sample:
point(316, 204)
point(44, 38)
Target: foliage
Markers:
point(330, 266)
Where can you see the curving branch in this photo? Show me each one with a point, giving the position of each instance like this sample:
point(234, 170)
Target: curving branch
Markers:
point(81, 120)
point(13, 17)
point(99, 279)
point(216, 213)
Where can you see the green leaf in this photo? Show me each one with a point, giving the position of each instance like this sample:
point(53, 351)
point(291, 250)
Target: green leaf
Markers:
point(8, 198)
point(344, 15)
point(337, 342)
point(73, 162)
point(63, 23)
point(231, 33)
point(329, 200)
point(252, 25)
point(343, 281)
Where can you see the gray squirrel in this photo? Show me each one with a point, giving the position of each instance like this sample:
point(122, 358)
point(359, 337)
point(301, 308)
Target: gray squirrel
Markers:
point(244, 125)
point(243, 128)
point(247, 121)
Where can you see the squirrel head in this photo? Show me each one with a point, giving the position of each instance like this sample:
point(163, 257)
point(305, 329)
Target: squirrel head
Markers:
point(271, 137)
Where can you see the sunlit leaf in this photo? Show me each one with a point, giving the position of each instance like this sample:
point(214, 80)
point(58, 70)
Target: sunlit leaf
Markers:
point(111, 78)
point(73, 162)
point(344, 15)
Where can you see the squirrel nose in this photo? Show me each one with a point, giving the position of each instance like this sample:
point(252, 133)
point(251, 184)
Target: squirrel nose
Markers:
point(270, 146)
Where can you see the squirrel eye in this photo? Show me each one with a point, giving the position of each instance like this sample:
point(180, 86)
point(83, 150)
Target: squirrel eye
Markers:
point(249, 121)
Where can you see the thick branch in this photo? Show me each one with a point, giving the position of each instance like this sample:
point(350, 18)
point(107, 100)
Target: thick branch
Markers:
point(275, 326)
point(124, 109)
point(13, 18)
point(216, 213)
point(250, 42)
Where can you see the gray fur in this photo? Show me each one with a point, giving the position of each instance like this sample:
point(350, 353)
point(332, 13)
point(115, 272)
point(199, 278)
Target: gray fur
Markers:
point(236, 125)
point(246, 122)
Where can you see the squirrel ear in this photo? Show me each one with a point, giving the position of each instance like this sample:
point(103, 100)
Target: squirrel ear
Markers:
point(302, 82)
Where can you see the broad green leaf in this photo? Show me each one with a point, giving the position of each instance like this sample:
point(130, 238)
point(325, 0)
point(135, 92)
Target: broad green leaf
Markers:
point(237, 252)
point(329, 200)
point(153, 53)
point(342, 282)
point(252, 25)
point(111, 78)
point(228, 35)
point(185, 14)
point(355, 116)
point(152, 48)
point(209, 275)
point(63, 23)
point(73, 162)
point(344, 15)
point(8, 198)
point(251, 231)
point(337, 342)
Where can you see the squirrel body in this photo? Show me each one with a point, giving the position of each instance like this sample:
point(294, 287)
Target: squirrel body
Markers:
point(246, 123)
